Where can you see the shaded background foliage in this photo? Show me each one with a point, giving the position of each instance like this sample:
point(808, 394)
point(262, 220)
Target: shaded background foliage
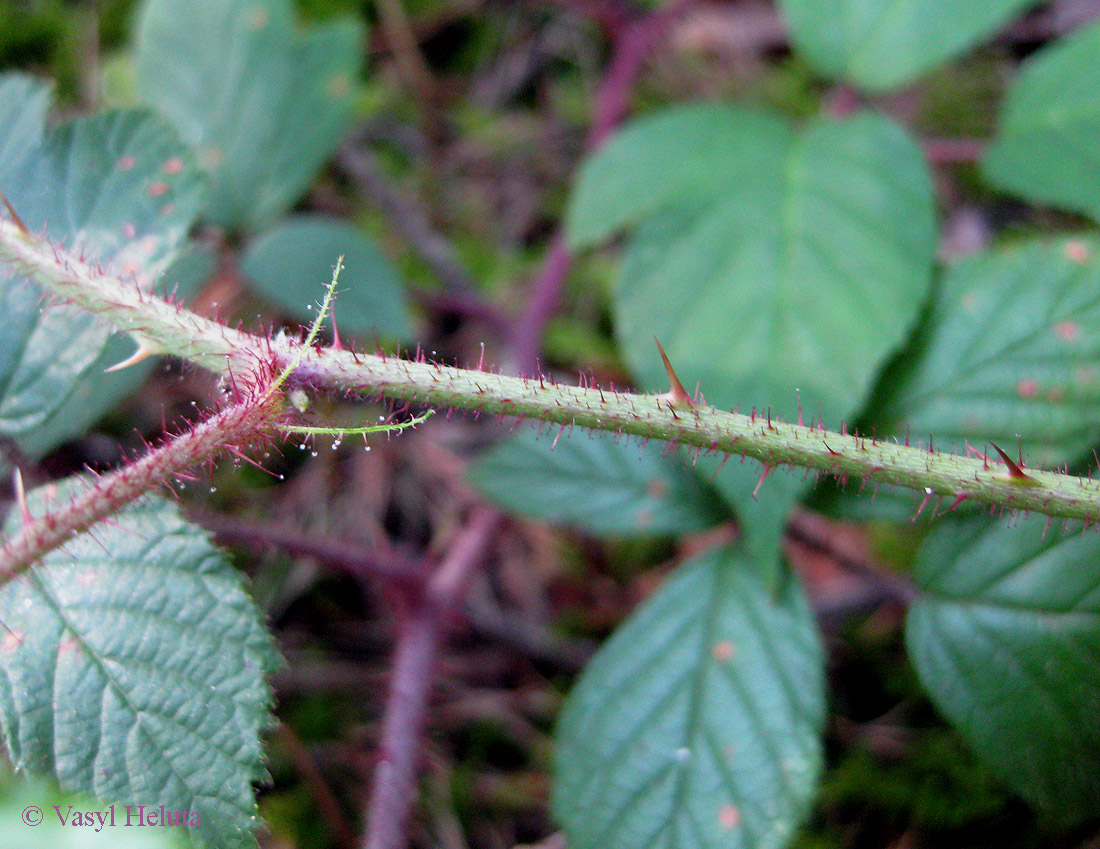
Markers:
point(466, 132)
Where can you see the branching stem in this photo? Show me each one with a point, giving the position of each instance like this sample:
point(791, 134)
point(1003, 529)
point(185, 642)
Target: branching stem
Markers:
point(236, 425)
point(175, 330)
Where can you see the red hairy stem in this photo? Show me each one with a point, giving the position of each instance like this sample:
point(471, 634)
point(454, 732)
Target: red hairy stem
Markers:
point(234, 426)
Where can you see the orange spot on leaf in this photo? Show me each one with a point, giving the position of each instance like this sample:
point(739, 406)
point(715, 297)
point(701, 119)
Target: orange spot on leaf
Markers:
point(723, 650)
point(729, 816)
point(656, 488)
point(1077, 251)
point(1067, 330)
point(1027, 388)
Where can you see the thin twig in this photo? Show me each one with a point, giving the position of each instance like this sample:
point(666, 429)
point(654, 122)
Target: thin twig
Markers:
point(811, 531)
point(612, 100)
point(406, 53)
point(951, 151)
point(357, 560)
point(407, 218)
point(323, 797)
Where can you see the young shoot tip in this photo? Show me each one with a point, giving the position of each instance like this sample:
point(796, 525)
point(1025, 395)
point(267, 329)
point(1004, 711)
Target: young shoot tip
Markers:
point(341, 432)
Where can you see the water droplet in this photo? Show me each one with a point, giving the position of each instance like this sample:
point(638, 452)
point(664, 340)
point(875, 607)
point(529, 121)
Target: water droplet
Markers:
point(366, 448)
point(213, 489)
point(281, 477)
point(312, 453)
point(302, 447)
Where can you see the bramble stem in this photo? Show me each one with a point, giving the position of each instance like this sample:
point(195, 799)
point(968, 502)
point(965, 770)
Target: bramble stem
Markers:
point(175, 330)
point(234, 426)
point(257, 410)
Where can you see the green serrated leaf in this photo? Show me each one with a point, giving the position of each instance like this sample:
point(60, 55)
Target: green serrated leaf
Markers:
point(262, 104)
point(698, 724)
point(758, 254)
point(1046, 149)
point(116, 187)
point(688, 155)
point(754, 284)
point(882, 44)
point(291, 263)
point(1006, 637)
point(133, 670)
point(603, 484)
point(1009, 353)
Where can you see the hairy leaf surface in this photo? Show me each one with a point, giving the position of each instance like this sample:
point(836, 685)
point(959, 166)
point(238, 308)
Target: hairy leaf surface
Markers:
point(757, 254)
point(263, 105)
point(132, 669)
point(696, 726)
point(116, 187)
point(753, 285)
point(1009, 353)
point(99, 390)
point(1006, 637)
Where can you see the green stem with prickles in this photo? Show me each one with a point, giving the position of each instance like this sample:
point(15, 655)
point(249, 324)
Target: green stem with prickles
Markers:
point(174, 330)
